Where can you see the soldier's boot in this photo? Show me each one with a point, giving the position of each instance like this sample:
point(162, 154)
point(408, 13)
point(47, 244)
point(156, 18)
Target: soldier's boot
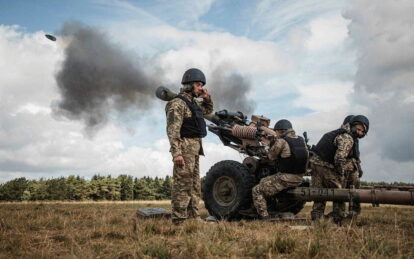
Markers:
point(337, 218)
point(250, 212)
point(330, 215)
point(178, 222)
point(264, 217)
point(352, 215)
point(354, 210)
point(316, 216)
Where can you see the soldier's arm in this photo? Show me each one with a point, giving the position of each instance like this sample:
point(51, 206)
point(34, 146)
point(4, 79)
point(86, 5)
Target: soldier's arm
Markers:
point(275, 149)
point(175, 116)
point(358, 166)
point(207, 105)
point(344, 144)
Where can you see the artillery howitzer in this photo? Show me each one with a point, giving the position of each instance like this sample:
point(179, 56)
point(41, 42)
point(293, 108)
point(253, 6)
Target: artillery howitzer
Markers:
point(227, 185)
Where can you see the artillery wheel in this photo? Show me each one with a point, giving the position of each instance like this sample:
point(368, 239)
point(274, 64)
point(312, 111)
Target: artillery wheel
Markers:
point(227, 188)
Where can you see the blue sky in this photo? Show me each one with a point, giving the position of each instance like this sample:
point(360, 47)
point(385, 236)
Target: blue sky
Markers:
point(307, 61)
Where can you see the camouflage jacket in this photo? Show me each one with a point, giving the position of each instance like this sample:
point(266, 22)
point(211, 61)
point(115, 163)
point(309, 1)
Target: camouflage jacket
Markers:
point(280, 148)
point(176, 110)
point(342, 163)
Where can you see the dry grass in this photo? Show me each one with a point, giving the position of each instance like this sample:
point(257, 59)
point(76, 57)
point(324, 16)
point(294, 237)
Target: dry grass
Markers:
point(109, 230)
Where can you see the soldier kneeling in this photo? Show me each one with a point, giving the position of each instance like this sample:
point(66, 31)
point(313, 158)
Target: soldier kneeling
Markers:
point(291, 155)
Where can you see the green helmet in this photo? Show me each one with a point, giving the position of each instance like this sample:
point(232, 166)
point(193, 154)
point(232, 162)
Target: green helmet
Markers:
point(193, 75)
point(283, 125)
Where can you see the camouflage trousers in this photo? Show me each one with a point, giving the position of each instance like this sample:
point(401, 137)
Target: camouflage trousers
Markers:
point(270, 186)
point(324, 177)
point(186, 189)
point(352, 179)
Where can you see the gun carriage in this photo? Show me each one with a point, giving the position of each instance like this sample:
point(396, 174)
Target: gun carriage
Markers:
point(227, 185)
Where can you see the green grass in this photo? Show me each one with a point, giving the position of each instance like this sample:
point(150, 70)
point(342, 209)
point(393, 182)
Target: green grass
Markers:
point(110, 230)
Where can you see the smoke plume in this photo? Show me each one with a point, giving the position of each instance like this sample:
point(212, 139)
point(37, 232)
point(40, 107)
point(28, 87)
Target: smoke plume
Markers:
point(384, 36)
point(98, 78)
point(229, 90)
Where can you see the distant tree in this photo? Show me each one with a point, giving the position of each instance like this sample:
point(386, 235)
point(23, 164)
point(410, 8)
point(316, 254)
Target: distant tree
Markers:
point(57, 189)
point(106, 188)
point(166, 188)
point(143, 190)
point(13, 190)
point(127, 187)
point(77, 188)
point(38, 190)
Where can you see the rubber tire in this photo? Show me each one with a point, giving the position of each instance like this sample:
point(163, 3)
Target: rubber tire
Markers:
point(243, 181)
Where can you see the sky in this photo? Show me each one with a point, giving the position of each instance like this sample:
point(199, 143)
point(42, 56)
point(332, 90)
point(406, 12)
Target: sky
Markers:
point(84, 104)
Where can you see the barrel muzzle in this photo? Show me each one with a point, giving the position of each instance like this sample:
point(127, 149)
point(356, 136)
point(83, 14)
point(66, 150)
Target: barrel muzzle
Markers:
point(164, 93)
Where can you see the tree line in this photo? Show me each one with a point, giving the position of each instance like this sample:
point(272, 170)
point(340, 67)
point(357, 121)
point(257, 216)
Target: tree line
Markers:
point(76, 188)
point(121, 188)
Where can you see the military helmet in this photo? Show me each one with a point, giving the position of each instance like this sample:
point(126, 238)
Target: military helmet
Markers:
point(360, 119)
point(347, 119)
point(283, 125)
point(193, 75)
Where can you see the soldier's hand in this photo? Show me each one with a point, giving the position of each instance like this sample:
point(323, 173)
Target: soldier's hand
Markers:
point(204, 94)
point(360, 173)
point(179, 160)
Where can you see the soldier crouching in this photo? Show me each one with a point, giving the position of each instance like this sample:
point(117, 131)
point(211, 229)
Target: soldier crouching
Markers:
point(291, 155)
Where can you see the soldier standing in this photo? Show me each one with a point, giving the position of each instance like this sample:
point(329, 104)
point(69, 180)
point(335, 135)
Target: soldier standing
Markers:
point(291, 155)
point(333, 162)
point(185, 128)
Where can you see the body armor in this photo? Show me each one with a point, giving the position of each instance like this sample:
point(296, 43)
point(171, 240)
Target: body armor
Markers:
point(194, 126)
point(296, 163)
point(326, 148)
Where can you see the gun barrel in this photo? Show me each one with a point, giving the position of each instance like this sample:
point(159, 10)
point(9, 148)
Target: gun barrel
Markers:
point(374, 196)
point(165, 94)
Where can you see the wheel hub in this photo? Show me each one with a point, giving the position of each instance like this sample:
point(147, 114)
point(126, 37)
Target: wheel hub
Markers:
point(224, 191)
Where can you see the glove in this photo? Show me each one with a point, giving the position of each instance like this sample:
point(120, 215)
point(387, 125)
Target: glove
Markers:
point(360, 172)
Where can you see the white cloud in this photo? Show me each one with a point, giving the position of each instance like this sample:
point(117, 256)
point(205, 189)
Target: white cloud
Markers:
point(208, 50)
point(33, 109)
point(327, 32)
point(273, 19)
point(324, 96)
point(205, 50)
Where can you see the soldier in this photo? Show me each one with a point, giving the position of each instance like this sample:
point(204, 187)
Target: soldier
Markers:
point(334, 160)
point(291, 154)
point(185, 128)
point(352, 179)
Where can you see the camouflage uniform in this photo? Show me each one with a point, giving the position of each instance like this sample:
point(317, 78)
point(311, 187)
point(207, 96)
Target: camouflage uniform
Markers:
point(352, 180)
point(186, 187)
point(327, 175)
point(274, 184)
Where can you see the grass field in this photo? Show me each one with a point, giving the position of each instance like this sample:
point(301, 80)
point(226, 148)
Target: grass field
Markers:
point(110, 230)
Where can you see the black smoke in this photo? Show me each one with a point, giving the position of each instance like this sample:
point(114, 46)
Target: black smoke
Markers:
point(230, 90)
point(98, 78)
